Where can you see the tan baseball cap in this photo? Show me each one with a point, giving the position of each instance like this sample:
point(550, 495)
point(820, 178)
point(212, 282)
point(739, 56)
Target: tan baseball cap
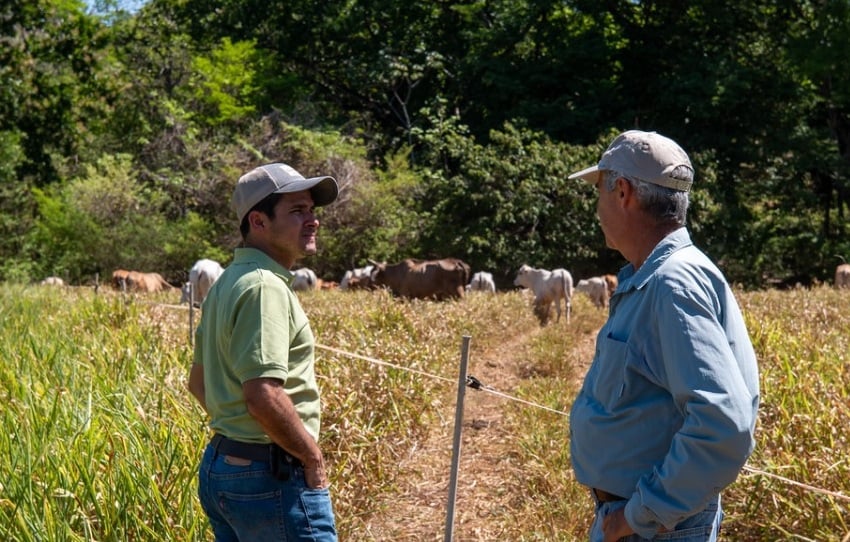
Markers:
point(648, 156)
point(276, 179)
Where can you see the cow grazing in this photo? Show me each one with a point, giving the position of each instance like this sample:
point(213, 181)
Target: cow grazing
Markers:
point(304, 279)
point(139, 282)
point(202, 276)
point(842, 276)
point(548, 287)
point(611, 282)
point(52, 281)
point(441, 279)
point(596, 289)
point(359, 278)
point(482, 281)
point(119, 279)
point(358, 283)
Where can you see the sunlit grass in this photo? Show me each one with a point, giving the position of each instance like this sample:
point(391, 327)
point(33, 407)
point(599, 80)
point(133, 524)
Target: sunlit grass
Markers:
point(101, 440)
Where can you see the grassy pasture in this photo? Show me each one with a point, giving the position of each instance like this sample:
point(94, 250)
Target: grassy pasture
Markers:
point(101, 441)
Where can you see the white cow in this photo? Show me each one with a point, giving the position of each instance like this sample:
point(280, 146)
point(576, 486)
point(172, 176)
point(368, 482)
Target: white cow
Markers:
point(305, 279)
point(357, 279)
point(482, 281)
point(548, 286)
point(53, 281)
point(596, 289)
point(202, 276)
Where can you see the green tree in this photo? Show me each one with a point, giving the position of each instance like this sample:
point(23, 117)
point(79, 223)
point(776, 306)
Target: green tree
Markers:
point(508, 202)
point(102, 221)
point(50, 68)
point(224, 83)
point(374, 62)
point(373, 220)
point(818, 50)
point(14, 220)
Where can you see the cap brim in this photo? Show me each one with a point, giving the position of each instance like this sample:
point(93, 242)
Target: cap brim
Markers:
point(588, 174)
point(323, 190)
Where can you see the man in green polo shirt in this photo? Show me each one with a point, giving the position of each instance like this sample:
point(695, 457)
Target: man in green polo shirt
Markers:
point(263, 475)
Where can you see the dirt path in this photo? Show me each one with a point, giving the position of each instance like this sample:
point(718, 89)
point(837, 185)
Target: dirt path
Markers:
point(485, 447)
point(487, 483)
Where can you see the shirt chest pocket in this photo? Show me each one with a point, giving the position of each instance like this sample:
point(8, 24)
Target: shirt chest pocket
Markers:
point(614, 359)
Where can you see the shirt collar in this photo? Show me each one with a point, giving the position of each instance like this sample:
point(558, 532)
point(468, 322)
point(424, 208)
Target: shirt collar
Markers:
point(673, 242)
point(257, 256)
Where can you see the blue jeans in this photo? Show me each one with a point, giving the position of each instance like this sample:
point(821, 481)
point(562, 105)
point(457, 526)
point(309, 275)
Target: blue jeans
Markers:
point(245, 502)
point(701, 527)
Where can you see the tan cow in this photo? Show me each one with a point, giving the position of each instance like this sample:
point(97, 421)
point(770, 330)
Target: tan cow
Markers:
point(441, 279)
point(842, 276)
point(139, 282)
point(119, 279)
point(611, 282)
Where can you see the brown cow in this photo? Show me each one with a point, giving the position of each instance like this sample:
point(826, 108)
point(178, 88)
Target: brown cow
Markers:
point(842, 276)
point(140, 282)
point(423, 279)
point(611, 282)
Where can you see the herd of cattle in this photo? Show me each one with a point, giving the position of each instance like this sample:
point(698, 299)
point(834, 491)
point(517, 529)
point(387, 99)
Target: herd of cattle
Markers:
point(446, 278)
point(441, 279)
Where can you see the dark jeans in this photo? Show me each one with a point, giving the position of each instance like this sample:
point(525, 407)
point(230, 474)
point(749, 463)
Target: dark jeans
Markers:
point(245, 502)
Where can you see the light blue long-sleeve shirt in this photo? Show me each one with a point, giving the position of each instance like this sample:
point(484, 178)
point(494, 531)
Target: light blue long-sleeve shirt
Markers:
point(668, 408)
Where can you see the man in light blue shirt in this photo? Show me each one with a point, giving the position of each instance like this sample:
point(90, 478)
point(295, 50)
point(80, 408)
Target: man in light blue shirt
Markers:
point(666, 416)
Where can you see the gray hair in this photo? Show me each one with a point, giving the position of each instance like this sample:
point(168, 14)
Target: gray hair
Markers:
point(665, 204)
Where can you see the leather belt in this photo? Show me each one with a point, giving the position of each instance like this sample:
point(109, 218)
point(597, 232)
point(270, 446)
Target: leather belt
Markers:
point(603, 496)
point(248, 450)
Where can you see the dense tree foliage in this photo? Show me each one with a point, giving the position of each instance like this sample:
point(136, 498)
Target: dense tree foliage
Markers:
point(451, 125)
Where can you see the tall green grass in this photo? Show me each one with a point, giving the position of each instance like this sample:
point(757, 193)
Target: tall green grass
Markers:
point(98, 441)
point(101, 440)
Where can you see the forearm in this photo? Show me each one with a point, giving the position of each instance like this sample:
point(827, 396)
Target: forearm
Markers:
point(272, 408)
point(269, 404)
point(703, 463)
point(196, 384)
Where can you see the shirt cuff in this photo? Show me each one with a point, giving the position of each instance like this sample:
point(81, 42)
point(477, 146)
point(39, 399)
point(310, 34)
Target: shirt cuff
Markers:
point(641, 519)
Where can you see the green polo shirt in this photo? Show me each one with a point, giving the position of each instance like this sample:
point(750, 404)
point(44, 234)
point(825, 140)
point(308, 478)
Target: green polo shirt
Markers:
point(253, 326)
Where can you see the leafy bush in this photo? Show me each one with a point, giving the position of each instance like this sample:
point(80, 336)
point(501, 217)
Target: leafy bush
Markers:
point(106, 220)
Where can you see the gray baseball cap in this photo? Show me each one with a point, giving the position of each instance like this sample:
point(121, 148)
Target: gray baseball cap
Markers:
point(648, 156)
point(279, 178)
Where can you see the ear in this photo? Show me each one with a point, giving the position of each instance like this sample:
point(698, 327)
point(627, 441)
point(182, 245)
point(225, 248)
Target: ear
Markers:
point(257, 220)
point(622, 186)
point(626, 196)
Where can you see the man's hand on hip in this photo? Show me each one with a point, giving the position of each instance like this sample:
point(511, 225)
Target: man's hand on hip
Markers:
point(615, 526)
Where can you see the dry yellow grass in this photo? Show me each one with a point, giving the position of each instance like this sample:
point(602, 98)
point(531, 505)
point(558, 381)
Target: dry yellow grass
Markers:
point(103, 438)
